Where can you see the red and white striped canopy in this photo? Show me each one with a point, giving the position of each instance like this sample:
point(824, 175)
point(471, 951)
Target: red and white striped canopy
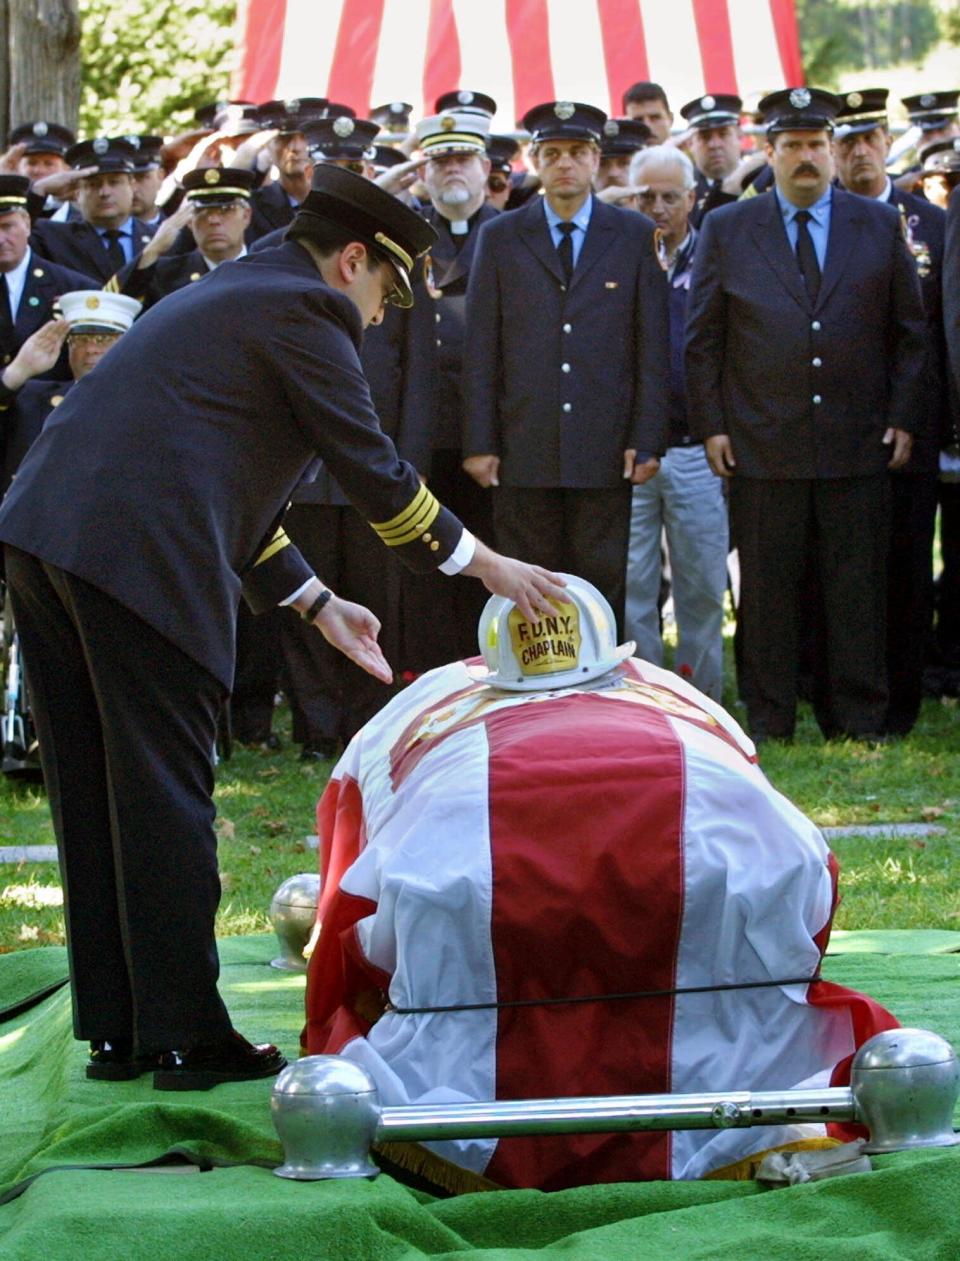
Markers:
point(521, 52)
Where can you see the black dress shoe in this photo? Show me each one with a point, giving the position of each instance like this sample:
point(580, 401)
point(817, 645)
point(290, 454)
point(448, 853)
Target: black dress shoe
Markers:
point(114, 1060)
point(203, 1067)
point(322, 750)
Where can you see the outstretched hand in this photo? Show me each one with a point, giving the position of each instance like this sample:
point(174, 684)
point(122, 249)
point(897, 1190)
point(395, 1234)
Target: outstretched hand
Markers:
point(353, 630)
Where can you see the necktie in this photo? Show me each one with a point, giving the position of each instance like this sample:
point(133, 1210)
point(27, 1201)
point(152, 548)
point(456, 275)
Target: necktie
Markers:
point(565, 249)
point(6, 319)
point(114, 249)
point(807, 255)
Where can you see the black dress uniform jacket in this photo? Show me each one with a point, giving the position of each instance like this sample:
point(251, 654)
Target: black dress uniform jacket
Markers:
point(267, 379)
point(79, 246)
point(271, 210)
point(22, 414)
point(557, 383)
point(44, 283)
point(168, 274)
point(804, 389)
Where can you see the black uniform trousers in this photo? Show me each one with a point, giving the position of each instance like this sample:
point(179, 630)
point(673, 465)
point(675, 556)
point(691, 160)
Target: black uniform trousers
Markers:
point(577, 531)
point(909, 594)
point(842, 526)
point(948, 593)
point(440, 617)
point(127, 724)
point(330, 697)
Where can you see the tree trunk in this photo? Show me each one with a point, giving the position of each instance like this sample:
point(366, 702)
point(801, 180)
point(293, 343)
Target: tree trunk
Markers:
point(39, 62)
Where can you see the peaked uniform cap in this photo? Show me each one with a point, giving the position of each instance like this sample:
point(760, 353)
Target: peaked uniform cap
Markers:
point(564, 120)
point(717, 110)
point(377, 218)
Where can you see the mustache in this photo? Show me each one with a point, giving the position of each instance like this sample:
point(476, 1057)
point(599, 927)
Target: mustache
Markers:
point(806, 168)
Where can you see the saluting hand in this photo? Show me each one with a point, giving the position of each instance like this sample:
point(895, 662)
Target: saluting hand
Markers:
point(38, 354)
point(353, 630)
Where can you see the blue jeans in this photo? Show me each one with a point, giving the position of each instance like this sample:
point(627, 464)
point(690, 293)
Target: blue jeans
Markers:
point(686, 500)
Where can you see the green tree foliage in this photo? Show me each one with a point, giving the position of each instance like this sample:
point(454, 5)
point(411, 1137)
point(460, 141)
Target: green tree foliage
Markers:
point(147, 66)
point(837, 36)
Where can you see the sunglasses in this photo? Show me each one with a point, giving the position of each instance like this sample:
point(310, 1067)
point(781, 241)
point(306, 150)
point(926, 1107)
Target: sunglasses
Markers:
point(498, 183)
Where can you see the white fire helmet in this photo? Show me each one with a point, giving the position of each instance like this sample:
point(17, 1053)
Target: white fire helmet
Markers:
point(574, 644)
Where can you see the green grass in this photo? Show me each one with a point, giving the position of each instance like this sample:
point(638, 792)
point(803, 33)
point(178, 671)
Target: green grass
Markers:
point(267, 802)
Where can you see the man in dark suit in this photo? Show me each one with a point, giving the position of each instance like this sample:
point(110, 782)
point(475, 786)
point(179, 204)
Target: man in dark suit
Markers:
point(108, 236)
point(275, 204)
point(862, 143)
point(149, 500)
point(567, 408)
point(29, 286)
point(92, 323)
point(216, 207)
point(805, 361)
point(715, 149)
point(441, 623)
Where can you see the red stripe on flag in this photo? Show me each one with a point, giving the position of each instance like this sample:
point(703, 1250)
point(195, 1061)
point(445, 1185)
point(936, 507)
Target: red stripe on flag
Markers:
point(441, 69)
point(338, 976)
point(260, 25)
point(624, 47)
point(528, 30)
point(586, 817)
point(716, 45)
point(784, 15)
point(355, 54)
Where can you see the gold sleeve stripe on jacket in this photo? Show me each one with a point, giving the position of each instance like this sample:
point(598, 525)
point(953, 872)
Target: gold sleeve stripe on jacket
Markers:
point(276, 544)
point(112, 285)
point(406, 516)
point(414, 529)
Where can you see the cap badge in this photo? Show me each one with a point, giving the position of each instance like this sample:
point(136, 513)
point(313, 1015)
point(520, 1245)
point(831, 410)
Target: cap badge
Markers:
point(92, 303)
point(398, 107)
point(292, 107)
point(40, 129)
point(343, 126)
point(928, 100)
point(707, 102)
point(448, 122)
point(211, 175)
point(611, 127)
point(854, 99)
point(800, 98)
point(465, 98)
point(134, 140)
point(101, 145)
point(564, 110)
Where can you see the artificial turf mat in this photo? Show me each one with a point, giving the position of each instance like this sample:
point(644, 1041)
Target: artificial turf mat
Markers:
point(53, 1120)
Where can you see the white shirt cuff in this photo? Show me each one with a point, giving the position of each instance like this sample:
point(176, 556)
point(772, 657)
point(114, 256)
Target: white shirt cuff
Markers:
point(461, 556)
point(297, 594)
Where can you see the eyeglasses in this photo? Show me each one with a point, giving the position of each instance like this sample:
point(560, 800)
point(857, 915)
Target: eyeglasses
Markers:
point(670, 200)
point(498, 183)
point(92, 339)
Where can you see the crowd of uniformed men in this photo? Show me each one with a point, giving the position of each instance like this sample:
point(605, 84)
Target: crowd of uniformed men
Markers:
point(594, 389)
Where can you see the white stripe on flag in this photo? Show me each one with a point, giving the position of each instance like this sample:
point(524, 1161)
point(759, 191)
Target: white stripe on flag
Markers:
point(673, 49)
point(755, 51)
point(401, 54)
point(309, 39)
point(485, 56)
point(576, 51)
